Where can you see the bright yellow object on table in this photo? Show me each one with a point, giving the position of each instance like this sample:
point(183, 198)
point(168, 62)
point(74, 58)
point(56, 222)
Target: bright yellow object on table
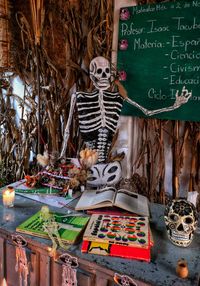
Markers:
point(8, 197)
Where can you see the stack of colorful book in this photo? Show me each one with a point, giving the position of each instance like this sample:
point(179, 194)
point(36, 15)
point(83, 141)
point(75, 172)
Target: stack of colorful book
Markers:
point(118, 235)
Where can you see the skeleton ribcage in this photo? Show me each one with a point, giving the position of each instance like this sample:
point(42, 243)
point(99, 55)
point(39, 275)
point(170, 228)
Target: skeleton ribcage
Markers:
point(98, 114)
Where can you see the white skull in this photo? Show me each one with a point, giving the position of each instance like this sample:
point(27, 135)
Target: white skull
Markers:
point(181, 222)
point(100, 73)
point(105, 174)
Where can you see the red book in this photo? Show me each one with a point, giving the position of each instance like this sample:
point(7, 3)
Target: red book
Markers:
point(110, 211)
point(109, 249)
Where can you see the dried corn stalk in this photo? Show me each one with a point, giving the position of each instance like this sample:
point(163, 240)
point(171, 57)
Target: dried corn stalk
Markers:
point(51, 56)
point(5, 60)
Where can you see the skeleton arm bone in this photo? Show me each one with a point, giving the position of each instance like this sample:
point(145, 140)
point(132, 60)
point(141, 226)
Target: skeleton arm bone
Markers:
point(124, 94)
point(144, 110)
point(66, 132)
point(180, 100)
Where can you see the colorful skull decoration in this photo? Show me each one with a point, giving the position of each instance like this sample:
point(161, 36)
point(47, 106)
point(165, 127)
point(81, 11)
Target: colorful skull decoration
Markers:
point(181, 221)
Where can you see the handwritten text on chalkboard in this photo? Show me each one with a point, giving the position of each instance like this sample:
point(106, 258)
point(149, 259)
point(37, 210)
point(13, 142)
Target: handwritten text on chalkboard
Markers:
point(161, 56)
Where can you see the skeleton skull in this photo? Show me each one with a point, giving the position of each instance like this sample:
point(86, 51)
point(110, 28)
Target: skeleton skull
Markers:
point(100, 73)
point(105, 174)
point(69, 260)
point(181, 222)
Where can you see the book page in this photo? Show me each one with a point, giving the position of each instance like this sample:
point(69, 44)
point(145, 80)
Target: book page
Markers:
point(96, 198)
point(132, 202)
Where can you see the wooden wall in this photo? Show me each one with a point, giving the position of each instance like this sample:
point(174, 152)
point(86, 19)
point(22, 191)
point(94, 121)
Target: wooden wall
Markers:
point(45, 270)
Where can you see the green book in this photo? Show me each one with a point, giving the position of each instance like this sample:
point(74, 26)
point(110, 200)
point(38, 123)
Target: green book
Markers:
point(70, 226)
point(35, 191)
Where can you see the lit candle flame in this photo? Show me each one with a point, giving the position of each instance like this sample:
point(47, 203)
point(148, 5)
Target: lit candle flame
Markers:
point(4, 283)
point(8, 196)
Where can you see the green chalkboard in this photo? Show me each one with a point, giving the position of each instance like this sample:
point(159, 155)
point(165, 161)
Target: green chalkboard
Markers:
point(158, 54)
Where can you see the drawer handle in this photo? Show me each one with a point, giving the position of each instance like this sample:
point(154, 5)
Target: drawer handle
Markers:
point(124, 280)
point(19, 240)
point(69, 260)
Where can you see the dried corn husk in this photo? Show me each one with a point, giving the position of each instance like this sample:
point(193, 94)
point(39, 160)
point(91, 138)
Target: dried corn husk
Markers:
point(5, 59)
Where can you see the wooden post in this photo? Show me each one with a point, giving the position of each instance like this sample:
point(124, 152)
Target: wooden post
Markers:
point(161, 157)
point(39, 104)
point(175, 160)
point(2, 259)
point(130, 148)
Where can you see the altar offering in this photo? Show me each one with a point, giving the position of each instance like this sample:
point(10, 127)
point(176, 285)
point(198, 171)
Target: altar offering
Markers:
point(8, 196)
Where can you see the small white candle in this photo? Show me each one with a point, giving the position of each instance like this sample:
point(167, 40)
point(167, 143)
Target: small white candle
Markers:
point(8, 197)
point(82, 188)
point(70, 193)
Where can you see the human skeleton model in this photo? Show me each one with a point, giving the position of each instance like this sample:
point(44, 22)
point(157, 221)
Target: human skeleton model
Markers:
point(99, 110)
point(51, 227)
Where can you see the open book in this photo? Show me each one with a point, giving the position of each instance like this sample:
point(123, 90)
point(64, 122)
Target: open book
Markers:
point(109, 197)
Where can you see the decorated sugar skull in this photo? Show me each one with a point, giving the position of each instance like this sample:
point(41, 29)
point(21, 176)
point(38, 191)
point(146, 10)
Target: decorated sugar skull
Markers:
point(100, 73)
point(105, 174)
point(181, 222)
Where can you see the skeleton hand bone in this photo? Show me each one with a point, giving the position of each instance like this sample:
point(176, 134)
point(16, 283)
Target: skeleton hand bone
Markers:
point(180, 100)
point(183, 98)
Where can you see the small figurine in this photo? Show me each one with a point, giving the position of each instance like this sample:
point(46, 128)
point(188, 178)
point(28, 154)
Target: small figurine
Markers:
point(22, 265)
point(51, 227)
point(69, 270)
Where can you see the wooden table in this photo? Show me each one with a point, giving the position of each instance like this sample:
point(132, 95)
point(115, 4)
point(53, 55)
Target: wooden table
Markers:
point(94, 269)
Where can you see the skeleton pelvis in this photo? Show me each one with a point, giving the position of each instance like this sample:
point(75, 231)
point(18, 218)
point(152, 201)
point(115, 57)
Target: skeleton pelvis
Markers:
point(105, 174)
